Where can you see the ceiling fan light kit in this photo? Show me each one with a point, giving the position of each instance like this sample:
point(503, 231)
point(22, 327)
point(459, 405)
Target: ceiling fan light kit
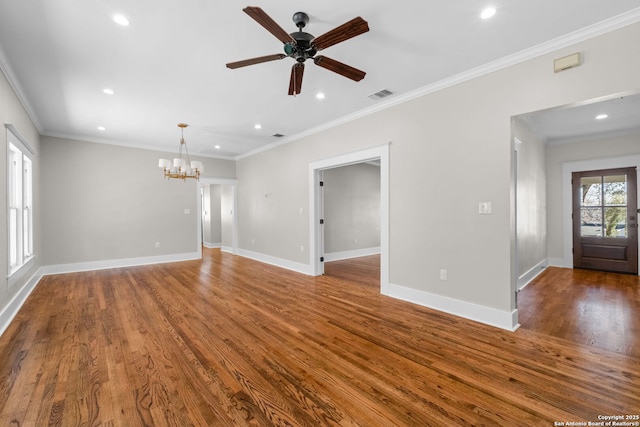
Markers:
point(302, 46)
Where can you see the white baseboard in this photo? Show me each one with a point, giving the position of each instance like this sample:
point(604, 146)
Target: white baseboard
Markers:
point(355, 253)
point(278, 262)
point(211, 245)
point(117, 263)
point(534, 272)
point(479, 313)
point(11, 309)
point(227, 249)
point(558, 262)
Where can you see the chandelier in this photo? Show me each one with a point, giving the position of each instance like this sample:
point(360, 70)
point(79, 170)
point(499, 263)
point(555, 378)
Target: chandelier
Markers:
point(181, 168)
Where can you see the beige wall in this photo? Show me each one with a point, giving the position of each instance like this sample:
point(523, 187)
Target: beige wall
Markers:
point(453, 145)
point(211, 226)
point(12, 112)
point(106, 202)
point(531, 199)
point(351, 208)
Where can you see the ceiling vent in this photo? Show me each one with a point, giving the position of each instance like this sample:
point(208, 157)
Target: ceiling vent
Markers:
point(277, 135)
point(381, 94)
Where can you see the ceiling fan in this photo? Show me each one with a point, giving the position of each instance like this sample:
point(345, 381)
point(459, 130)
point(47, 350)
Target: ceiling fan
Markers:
point(302, 46)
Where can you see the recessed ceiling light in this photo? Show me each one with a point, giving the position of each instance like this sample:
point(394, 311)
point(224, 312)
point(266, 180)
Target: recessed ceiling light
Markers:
point(217, 147)
point(102, 128)
point(121, 20)
point(601, 116)
point(257, 126)
point(488, 13)
point(108, 91)
point(320, 95)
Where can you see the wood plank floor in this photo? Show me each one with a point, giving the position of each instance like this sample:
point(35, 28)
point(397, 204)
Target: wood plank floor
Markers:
point(595, 308)
point(232, 342)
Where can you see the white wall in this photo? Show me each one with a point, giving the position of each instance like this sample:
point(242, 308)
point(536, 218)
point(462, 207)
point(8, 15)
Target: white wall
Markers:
point(106, 202)
point(351, 210)
point(452, 147)
point(531, 201)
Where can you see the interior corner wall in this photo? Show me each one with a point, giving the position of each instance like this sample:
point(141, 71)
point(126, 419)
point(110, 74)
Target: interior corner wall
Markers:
point(531, 199)
point(107, 203)
point(560, 153)
point(450, 150)
point(12, 112)
point(351, 209)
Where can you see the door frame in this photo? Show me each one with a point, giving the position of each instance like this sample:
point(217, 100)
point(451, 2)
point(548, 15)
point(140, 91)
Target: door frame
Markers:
point(380, 153)
point(234, 231)
point(567, 195)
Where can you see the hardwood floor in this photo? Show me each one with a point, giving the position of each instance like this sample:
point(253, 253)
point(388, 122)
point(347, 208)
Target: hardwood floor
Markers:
point(595, 308)
point(232, 342)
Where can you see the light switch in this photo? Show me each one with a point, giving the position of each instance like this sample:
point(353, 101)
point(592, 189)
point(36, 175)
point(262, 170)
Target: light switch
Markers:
point(187, 211)
point(484, 208)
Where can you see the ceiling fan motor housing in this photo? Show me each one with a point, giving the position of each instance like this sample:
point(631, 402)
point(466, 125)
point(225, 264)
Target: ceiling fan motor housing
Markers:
point(303, 49)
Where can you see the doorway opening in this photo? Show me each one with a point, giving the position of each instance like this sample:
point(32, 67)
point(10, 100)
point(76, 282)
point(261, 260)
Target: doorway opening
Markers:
point(316, 207)
point(218, 219)
point(351, 220)
point(550, 146)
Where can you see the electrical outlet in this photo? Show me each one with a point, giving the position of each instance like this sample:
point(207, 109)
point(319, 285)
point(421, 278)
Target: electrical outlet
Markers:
point(157, 244)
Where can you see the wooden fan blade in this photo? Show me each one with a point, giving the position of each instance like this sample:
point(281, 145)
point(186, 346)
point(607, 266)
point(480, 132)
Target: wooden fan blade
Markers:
point(295, 83)
point(350, 29)
point(269, 24)
point(340, 68)
point(258, 60)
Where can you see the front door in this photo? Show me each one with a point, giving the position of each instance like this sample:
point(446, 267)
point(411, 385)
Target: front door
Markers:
point(605, 226)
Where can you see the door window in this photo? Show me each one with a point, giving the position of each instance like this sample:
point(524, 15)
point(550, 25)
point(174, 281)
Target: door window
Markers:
point(603, 208)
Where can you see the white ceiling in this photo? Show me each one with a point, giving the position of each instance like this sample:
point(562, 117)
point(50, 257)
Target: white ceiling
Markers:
point(168, 66)
point(579, 122)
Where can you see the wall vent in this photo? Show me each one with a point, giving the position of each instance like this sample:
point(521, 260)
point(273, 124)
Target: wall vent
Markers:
point(569, 61)
point(380, 94)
